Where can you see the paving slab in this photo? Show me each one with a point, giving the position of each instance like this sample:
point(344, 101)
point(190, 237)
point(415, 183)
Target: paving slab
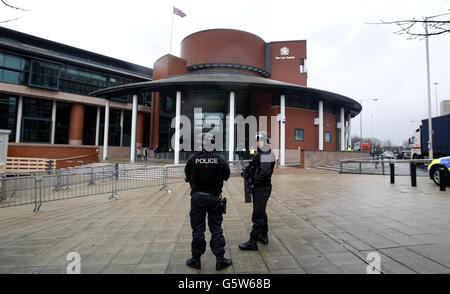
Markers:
point(319, 222)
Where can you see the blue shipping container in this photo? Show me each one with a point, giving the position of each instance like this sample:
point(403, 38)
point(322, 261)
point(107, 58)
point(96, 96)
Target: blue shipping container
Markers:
point(441, 136)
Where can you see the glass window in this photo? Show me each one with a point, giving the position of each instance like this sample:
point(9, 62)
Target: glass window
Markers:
point(305, 101)
point(37, 131)
point(275, 100)
point(114, 127)
point(13, 69)
point(117, 81)
point(37, 115)
point(62, 125)
point(8, 111)
point(37, 108)
point(44, 74)
point(146, 129)
point(327, 137)
point(169, 104)
point(299, 135)
point(328, 108)
point(214, 106)
point(79, 81)
point(13, 62)
point(126, 140)
point(303, 66)
point(90, 123)
point(13, 77)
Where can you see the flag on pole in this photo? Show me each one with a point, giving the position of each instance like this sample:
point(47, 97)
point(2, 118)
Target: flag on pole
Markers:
point(178, 12)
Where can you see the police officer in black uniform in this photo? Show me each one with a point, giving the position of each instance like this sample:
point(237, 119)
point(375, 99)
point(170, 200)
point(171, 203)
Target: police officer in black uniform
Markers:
point(260, 172)
point(205, 171)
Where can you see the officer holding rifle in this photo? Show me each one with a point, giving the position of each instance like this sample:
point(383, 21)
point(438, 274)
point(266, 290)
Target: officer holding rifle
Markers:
point(258, 176)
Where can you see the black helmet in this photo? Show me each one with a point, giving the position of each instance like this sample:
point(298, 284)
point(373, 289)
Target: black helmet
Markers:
point(205, 141)
point(262, 136)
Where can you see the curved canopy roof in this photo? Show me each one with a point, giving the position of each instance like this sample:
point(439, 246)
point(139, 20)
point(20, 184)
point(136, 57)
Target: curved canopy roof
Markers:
point(230, 82)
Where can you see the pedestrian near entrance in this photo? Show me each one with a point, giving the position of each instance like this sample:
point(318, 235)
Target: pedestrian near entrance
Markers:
point(145, 153)
point(206, 171)
point(258, 176)
point(139, 153)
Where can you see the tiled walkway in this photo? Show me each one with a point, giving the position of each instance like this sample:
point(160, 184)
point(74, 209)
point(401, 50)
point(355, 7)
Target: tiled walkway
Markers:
point(320, 222)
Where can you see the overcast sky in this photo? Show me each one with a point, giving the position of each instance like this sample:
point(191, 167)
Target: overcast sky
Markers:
point(345, 54)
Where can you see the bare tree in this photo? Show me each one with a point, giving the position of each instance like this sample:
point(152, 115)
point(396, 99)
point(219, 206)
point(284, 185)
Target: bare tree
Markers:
point(415, 28)
point(12, 7)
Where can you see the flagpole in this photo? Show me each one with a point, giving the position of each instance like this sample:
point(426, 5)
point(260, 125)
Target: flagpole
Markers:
point(171, 33)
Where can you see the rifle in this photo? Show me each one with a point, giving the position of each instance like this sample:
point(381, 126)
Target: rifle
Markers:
point(245, 173)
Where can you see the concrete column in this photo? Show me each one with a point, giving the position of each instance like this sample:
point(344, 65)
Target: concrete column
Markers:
point(106, 131)
point(342, 129)
point(177, 129)
point(19, 119)
point(231, 128)
point(152, 118)
point(140, 129)
point(349, 129)
point(320, 125)
point(282, 130)
point(121, 127)
point(52, 138)
point(156, 119)
point(97, 127)
point(76, 124)
point(133, 128)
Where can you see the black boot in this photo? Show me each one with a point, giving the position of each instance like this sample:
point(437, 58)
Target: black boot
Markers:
point(251, 245)
point(264, 240)
point(194, 262)
point(222, 263)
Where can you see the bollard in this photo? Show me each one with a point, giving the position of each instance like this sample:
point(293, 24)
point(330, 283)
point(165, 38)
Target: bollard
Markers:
point(49, 166)
point(392, 169)
point(382, 170)
point(413, 172)
point(114, 179)
point(59, 181)
point(116, 171)
point(3, 189)
point(360, 169)
point(37, 191)
point(442, 179)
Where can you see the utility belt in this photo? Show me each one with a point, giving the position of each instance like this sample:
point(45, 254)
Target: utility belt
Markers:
point(223, 200)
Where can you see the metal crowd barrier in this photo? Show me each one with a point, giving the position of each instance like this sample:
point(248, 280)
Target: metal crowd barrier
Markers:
point(375, 166)
point(77, 182)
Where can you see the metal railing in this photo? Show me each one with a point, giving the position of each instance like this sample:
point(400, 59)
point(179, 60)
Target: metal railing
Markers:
point(71, 183)
point(378, 166)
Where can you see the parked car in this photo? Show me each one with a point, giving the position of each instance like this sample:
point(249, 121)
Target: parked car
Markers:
point(405, 154)
point(388, 155)
point(435, 165)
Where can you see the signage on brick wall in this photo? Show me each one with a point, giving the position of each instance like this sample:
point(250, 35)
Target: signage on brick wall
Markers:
point(284, 54)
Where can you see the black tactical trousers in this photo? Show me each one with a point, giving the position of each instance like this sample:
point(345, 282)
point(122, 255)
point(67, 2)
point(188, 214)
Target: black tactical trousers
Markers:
point(259, 217)
point(200, 206)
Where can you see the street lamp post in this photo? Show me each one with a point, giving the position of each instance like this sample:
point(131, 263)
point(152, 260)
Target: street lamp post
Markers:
point(360, 120)
point(371, 121)
point(437, 103)
point(430, 125)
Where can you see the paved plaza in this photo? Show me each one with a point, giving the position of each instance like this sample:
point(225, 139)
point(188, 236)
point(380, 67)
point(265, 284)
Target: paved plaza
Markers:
point(320, 222)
